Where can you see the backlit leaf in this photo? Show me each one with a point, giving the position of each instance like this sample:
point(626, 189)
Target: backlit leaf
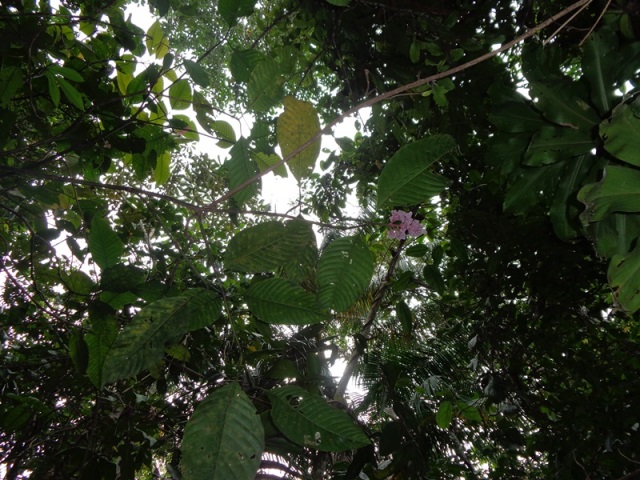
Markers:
point(618, 191)
point(105, 246)
point(345, 269)
point(309, 421)
point(621, 134)
point(242, 167)
point(224, 438)
point(297, 125)
point(198, 74)
point(180, 95)
point(444, 414)
point(406, 179)
point(162, 172)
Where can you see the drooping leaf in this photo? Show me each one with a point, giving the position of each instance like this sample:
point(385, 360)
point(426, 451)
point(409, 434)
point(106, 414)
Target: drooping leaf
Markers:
point(54, 89)
point(266, 247)
point(162, 172)
point(406, 179)
point(243, 62)
point(198, 74)
point(224, 438)
point(10, 82)
point(180, 95)
point(618, 191)
point(157, 42)
point(265, 86)
point(281, 301)
point(345, 269)
point(621, 134)
point(598, 64)
point(308, 420)
point(232, 10)
point(242, 167)
point(265, 161)
point(73, 95)
point(444, 414)
point(561, 104)
point(624, 276)
point(105, 246)
point(403, 312)
point(551, 144)
point(298, 124)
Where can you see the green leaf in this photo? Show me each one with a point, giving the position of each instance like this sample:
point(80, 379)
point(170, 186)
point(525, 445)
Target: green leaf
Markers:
point(339, 3)
point(103, 333)
point(180, 95)
point(298, 124)
point(186, 128)
point(267, 246)
point(532, 186)
point(10, 82)
point(241, 167)
point(444, 414)
point(280, 301)
point(78, 282)
point(105, 246)
point(162, 172)
point(198, 74)
point(225, 133)
point(414, 51)
point(231, 10)
point(73, 95)
point(243, 62)
point(54, 89)
point(68, 73)
point(308, 420)
point(265, 86)
point(405, 179)
point(561, 104)
point(517, 117)
point(624, 276)
point(403, 312)
point(224, 438)
point(157, 42)
point(345, 269)
point(618, 191)
point(621, 133)
point(141, 343)
point(615, 233)
point(265, 161)
point(551, 144)
point(203, 308)
point(434, 279)
point(598, 64)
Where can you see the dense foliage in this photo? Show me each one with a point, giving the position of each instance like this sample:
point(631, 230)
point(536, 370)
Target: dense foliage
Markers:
point(159, 321)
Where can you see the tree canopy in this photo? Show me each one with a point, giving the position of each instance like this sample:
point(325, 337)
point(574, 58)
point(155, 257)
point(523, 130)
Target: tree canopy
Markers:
point(160, 320)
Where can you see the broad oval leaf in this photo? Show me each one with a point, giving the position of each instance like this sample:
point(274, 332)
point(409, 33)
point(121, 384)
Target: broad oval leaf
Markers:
point(105, 246)
point(298, 124)
point(180, 95)
point(621, 134)
point(444, 414)
point(562, 103)
point(197, 73)
point(268, 246)
point(345, 269)
point(405, 179)
point(224, 438)
point(624, 276)
point(243, 62)
point(231, 10)
point(242, 167)
point(265, 86)
point(308, 420)
point(618, 191)
point(280, 301)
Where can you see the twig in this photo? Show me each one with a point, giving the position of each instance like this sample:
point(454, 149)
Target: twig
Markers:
point(564, 24)
point(395, 92)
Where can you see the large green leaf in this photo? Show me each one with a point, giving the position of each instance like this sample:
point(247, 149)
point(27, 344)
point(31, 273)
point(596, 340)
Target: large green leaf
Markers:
point(197, 73)
point(105, 246)
point(615, 233)
point(406, 180)
point(10, 82)
point(243, 62)
point(180, 95)
point(157, 42)
point(241, 167)
point(345, 269)
point(265, 86)
point(532, 186)
point(308, 420)
point(562, 104)
point(599, 67)
point(517, 117)
point(297, 125)
point(624, 276)
point(231, 10)
point(444, 414)
point(141, 343)
point(551, 144)
point(268, 246)
point(621, 134)
point(618, 191)
point(103, 333)
point(224, 438)
point(281, 301)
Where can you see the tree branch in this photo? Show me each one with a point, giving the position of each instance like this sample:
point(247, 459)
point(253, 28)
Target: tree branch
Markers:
point(397, 91)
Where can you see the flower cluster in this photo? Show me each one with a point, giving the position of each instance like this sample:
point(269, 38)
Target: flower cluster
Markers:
point(402, 224)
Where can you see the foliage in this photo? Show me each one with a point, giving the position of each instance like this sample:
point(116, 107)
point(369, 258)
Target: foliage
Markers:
point(159, 321)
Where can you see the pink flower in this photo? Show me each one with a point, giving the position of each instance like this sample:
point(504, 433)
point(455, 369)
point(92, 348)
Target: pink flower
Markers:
point(402, 224)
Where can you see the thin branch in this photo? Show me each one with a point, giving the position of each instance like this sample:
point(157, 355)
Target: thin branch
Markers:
point(397, 91)
point(606, 7)
point(564, 24)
